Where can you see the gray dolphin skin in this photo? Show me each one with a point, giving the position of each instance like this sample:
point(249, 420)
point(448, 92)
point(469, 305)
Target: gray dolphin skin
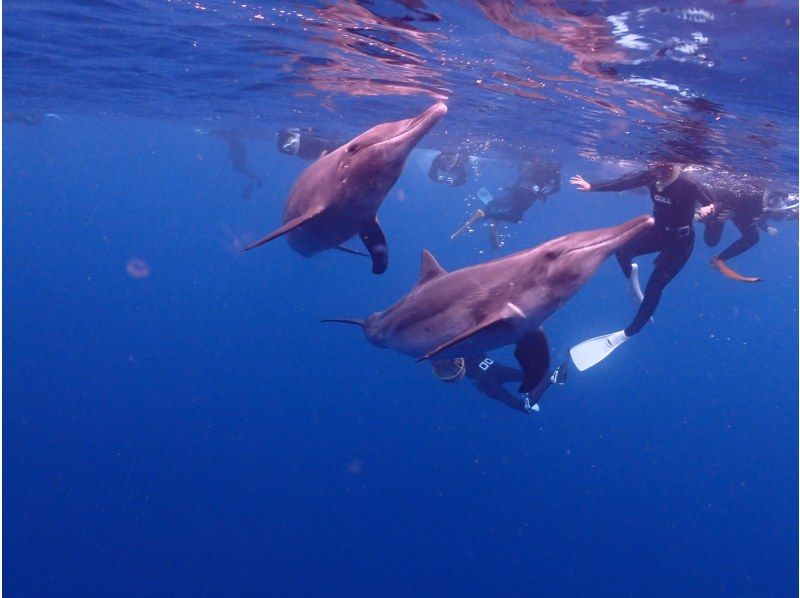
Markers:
point(338, 196)
point(496, 303)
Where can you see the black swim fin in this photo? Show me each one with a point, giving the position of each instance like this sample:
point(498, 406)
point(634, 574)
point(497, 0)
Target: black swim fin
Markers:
point(375, 242)
point(533, 355)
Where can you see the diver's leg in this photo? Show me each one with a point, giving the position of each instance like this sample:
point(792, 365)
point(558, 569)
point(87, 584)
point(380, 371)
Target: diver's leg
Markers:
point(647, 242)
point(668, 263)
point(713, 232)
point(495, 390)
point(748, 239)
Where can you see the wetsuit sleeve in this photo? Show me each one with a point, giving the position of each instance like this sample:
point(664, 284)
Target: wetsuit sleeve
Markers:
point(461, 177)
point(628, 181)
point(704, 196)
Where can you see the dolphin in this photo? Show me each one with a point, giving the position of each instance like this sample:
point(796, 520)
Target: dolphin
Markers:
point(497, 303)
point(338, 196)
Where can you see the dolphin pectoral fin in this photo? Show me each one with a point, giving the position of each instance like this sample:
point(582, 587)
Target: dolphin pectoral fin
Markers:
point(375, 242)
point(490, 321)
point(353, 251)
point(533, 355)
point(288, 227)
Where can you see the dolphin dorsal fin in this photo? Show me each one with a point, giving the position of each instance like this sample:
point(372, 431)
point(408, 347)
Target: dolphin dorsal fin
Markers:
point(430, 268)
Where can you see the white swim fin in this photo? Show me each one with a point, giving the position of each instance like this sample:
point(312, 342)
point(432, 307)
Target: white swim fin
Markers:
point(595, 350)
point(484, 195)
point(636, 288)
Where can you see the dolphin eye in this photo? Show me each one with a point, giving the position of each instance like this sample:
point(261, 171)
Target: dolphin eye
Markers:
point(353, 148)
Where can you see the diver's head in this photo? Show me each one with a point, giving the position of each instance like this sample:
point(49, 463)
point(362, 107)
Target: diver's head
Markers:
point(449, 370)
point(665, 172)
point(447, 160)
point(289, 141)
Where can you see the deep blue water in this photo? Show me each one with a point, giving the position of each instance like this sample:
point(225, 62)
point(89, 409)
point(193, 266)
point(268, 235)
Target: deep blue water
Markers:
point(196, 431)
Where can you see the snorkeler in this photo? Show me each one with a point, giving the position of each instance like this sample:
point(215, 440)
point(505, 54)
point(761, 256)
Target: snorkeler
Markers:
point(448, 168)
point(537, 179)
point(490, 376)
point(238, 155)
point(674, 197)
point(306, 144)
point(749, 209)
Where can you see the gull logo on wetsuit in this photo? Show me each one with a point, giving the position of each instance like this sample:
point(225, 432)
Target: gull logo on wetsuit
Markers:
point(662, 198)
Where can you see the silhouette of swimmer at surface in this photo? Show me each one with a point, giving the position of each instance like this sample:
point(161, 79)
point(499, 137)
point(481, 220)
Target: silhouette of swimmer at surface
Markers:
point(306, 144)
point(537, 179)
point(238, 155)
point(748, 208)
point(449, 168)
point(490, 376)
point(674, 197)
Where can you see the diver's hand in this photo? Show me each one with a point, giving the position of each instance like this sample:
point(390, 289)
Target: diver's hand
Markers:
point(581, 183)
point(706, 211)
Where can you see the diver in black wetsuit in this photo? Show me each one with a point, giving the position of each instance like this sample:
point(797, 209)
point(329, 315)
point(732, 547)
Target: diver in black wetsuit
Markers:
point(748, 208)
point(537, 179)
point(306, 144)
point(449, 168)
point(490, 376)
point(238, 155)
point(675, 197)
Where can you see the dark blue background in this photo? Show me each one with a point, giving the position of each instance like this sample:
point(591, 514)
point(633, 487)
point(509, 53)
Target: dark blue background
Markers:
point(199, 432)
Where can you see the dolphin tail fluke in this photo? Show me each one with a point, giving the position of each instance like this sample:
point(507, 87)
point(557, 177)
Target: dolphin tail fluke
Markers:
point(729, 272)
point(595, 350)
point(355, 321)
point(286, 228)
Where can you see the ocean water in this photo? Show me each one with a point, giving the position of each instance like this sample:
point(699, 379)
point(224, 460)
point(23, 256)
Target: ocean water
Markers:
point(177, 422)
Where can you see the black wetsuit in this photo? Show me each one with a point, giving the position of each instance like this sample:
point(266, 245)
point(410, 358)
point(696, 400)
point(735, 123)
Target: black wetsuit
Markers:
point(490, 376)
point(311, 146)
point(748, 212)
point(672, 235)
point(536, 180)
point(448, 168)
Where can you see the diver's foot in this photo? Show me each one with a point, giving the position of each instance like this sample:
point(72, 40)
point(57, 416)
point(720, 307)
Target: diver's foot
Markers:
point(559, 376)
point(529, 407)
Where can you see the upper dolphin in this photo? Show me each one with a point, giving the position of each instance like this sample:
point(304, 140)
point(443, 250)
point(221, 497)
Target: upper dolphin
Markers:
point(338, 196)
point(501, 302)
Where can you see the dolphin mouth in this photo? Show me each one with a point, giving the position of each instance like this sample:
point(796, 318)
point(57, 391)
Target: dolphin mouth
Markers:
point(617, 236)
point(418, 126)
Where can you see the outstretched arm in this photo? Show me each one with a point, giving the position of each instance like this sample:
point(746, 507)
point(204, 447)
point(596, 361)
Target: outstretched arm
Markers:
point(623, 183)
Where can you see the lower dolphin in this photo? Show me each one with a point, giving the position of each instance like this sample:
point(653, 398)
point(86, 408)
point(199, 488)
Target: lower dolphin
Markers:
point(496, 303)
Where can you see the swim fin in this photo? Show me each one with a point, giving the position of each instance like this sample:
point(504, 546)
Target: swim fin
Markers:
point(595, 350)
point(473, 219)
point(636, 288)
point(729, 272)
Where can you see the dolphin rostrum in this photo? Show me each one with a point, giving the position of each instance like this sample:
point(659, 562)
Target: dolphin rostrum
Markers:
point(338, 196)
point(496, 303)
